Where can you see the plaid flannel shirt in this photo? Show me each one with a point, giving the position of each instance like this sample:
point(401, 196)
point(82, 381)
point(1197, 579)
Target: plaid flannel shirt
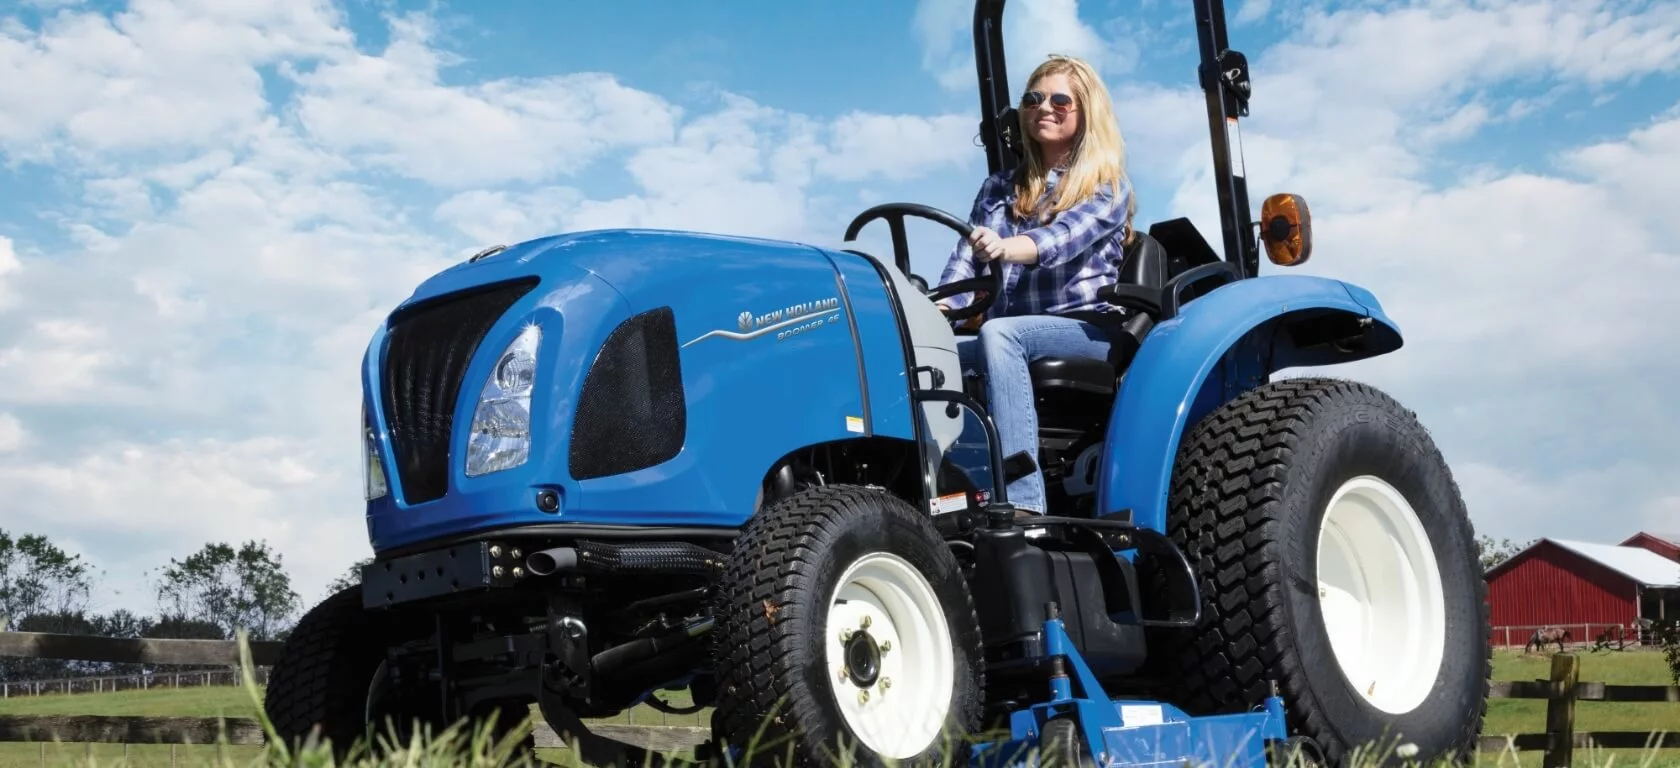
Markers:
point(1079, 251)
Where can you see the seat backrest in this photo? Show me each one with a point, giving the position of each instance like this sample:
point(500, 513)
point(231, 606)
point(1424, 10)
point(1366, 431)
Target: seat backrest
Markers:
point(1144, 263)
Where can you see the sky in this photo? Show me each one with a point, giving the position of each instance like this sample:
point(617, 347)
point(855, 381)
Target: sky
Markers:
point(206, 208)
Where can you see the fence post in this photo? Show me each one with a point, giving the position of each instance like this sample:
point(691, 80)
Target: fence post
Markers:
point(1560, 711)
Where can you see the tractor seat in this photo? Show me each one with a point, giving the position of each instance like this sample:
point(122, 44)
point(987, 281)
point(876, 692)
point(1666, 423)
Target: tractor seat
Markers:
point(1145, 264)
point(1084, 374)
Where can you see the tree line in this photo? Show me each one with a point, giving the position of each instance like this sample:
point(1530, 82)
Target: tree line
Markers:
point(211, 595)
point(1493, 554)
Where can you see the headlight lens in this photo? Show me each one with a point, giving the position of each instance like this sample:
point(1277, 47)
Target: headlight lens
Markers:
point(373, 472)
point(501, 428)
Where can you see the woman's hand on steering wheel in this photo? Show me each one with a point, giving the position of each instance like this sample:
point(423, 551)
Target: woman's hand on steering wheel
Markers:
point(989, 286)
point(987, 245)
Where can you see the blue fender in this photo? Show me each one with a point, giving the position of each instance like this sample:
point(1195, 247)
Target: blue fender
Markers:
point(1220, 345)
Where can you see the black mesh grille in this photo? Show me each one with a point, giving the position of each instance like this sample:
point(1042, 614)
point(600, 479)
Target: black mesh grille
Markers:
point(631, 413)
point(426, 355)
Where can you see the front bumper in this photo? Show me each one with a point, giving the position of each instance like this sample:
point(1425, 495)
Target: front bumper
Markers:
point(482, 565)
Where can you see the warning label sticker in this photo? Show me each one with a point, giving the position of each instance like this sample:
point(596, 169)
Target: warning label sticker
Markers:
point(951, 502)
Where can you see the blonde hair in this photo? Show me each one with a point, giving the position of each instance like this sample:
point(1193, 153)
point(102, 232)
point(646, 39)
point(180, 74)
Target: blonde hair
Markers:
point(1098, 155)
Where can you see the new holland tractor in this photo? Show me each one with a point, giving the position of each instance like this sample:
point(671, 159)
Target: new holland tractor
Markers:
point(604, 466)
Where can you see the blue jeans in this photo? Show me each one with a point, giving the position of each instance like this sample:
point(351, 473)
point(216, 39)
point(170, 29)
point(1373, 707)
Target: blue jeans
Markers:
point(1002, 351)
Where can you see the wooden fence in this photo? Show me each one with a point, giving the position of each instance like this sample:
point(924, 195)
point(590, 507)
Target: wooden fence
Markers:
point(198, 678)
point(134, 729)
point(1612, 636)
point(1561, 693)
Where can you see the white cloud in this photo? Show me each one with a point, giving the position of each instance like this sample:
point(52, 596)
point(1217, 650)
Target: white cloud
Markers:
point(491, 217)
point(743, 169)
point(9, 266)
point(394, 112)
point(1640, 171)
point(1250, 11)
point(1032, 30)
point(12, 434)
point(157, 75)
point(58, 361)
point(1473, 44)
point(1328, 125)
point(897, 147)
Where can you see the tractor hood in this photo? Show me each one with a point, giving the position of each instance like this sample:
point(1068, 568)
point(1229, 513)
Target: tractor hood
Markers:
point(626, 259)
point(584, 377)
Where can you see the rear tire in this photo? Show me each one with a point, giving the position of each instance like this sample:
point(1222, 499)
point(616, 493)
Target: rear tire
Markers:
point(1307, 498)
point(840, 561)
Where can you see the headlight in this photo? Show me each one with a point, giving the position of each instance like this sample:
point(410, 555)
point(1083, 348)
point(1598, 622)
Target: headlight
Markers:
point(373, 472)
point(501, 426)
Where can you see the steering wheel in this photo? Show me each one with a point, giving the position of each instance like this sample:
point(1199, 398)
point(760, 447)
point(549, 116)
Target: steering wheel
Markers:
point(894, 213)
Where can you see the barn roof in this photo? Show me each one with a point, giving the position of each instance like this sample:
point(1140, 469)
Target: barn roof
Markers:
point(1641, 565)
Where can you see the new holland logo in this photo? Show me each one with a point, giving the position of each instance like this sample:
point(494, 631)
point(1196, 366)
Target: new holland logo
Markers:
point(785, 323)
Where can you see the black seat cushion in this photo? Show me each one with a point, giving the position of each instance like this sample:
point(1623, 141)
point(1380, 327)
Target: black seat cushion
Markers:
point(1079, 373)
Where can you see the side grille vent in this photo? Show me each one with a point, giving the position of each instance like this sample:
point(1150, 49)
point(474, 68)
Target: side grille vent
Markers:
point(427, 352)
point(631, 413)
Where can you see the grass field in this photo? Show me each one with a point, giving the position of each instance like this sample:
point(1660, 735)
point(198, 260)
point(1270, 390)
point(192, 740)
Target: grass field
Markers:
point(1511, 716)
point(1505, 716)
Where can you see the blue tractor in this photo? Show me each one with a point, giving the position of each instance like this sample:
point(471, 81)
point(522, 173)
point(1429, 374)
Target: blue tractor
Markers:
point(605, 465)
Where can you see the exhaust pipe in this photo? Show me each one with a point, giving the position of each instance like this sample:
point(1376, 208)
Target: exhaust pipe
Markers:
point(551, 560)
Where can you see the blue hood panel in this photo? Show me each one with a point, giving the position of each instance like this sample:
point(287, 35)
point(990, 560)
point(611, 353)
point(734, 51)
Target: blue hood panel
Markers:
point(768, 360)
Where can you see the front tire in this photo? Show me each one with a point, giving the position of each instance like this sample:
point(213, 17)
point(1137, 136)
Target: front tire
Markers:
point(324, 675)
point(844, 626)
point(1335, 556)
point(330, 683)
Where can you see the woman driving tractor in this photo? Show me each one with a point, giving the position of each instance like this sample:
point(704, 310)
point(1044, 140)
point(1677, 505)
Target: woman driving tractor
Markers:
point(1057, 227)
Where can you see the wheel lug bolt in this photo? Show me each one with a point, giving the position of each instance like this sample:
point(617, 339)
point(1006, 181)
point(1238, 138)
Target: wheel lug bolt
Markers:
point(886, 682)
point(845, 634)
point(865, 622)
point(495, 550)
point(886, 645)
point(863, 697)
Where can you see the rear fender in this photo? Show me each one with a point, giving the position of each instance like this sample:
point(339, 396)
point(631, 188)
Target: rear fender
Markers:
point(1219, 346)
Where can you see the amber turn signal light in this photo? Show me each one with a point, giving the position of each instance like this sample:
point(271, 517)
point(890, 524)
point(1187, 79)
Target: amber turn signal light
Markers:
point(1286, 229)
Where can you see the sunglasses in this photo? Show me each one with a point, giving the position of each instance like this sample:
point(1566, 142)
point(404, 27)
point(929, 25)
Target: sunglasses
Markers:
point(1060, 102)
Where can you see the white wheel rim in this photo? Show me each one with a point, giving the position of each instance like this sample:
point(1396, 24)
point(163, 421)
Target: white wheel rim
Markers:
point(906, 703)
point(1379, 589)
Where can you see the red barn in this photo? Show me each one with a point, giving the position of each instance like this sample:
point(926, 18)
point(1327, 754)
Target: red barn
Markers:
point(1665, 544)
point(1583, 587)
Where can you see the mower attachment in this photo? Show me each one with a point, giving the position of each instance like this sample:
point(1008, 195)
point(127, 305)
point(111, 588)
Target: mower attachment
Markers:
point(1078, 724)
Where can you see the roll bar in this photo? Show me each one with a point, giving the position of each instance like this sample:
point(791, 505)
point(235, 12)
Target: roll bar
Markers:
point(1224, 78)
